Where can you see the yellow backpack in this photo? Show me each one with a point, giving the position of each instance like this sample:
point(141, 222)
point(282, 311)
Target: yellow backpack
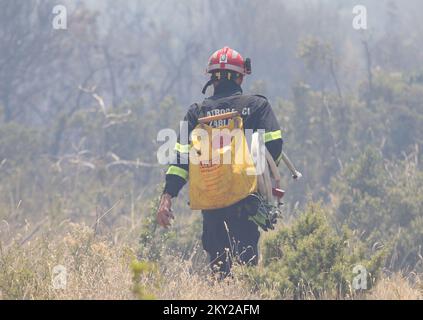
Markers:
point(226, 173)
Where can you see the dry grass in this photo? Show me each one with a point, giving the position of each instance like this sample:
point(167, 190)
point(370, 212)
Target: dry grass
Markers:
point(180, 283)
point(99, 268)
point(95, 268)
point(397, 287)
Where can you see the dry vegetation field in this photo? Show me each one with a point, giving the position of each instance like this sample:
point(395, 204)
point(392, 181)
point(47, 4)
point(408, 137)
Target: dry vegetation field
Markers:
point(98, 267)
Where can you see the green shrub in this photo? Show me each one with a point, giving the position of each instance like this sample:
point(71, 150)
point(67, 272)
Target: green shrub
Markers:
point(384, 201)
point(310, 258)
point(20, 144)
point(142, 269)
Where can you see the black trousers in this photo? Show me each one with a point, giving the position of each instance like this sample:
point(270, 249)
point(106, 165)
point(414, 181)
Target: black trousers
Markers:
point(229, 236)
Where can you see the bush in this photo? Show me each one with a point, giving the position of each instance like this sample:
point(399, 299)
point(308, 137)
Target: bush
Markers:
point(310, 258)
point(20, 144)
point(384, 201)
point(182, 238)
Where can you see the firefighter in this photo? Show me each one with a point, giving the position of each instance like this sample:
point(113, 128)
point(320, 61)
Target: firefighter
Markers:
point(228, 232)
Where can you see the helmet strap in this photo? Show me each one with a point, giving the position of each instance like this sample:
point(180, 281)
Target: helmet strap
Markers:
point(209, 83)
point(221, 75)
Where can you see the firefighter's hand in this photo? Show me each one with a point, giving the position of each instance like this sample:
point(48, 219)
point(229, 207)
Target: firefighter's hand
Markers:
point(164, 213)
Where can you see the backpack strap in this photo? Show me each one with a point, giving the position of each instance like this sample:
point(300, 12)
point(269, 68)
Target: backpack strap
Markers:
point(259, 95)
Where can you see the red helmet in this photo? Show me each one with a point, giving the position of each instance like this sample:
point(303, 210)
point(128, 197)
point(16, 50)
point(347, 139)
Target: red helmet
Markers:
point(224, 62)
point(228, 59)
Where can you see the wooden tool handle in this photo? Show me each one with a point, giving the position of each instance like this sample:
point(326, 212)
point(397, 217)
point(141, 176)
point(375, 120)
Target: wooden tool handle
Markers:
point(223, 116)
